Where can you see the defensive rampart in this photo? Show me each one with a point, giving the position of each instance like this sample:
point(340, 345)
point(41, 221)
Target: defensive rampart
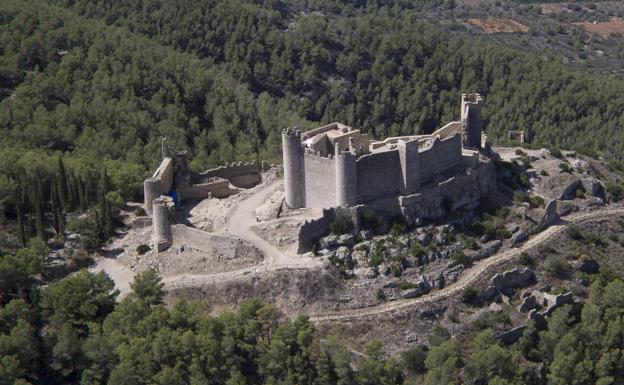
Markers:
point(439, 157)
point(378, 174)
point(320, 181)
point(243, 175)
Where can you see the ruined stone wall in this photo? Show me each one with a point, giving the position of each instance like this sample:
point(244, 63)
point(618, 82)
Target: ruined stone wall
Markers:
point(378, 174)
point(159, 184)
point(217, 188)
point(320, 181)
point(312, 230)
point(243, 175)
point(441, 156)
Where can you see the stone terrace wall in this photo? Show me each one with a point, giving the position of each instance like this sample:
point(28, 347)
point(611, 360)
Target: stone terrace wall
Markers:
point(244, 175)
point(320, 181)
point(378, 175)
point(220, 246)
point(441, 156)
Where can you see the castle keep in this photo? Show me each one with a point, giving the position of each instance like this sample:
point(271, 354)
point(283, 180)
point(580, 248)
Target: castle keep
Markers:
point(336, 165)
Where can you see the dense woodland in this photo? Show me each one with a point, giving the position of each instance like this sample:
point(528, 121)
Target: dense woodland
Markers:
point(88, 88)
point(72, 332)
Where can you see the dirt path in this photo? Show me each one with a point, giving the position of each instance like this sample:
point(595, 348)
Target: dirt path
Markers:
point(244, 217)
point(119, 273)
point(469, 275)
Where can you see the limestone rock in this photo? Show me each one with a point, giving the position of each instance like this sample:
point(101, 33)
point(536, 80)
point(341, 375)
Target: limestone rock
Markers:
point(527, 304)
point(328, 242)
point(343, 253)
point(365, 272)
point(518, 238)
point(346, 240)
point(421, 287)
point(366, 235)
point(513, 279)
point(488, 294)
point(589, 266)
point(488, 249)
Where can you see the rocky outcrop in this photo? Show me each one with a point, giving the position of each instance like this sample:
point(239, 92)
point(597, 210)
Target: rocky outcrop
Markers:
point(549, 216)
point(513, 279)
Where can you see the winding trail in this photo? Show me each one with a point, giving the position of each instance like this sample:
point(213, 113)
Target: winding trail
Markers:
point(469, 276)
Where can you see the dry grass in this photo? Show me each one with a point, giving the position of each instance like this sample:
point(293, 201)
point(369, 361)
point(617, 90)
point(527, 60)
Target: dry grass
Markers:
point(605, 28)
point(494, 25)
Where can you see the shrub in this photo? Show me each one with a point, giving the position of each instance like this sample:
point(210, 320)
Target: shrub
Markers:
point(615, 190)
point(417, 251)
point(503, 233)
point(414, 359)
point(142, 249)
point(370, 221)
point(557, 267)
point(556, 152)
point(462, 258)
point(404, 285)
point(342, 224)
point(580, 193)
point(381, 295)
point(526, 260)
point(544, 173)
point(520, 152)
point(469, 295)
point(140, 212)
point(573, 232)
point(564, 167)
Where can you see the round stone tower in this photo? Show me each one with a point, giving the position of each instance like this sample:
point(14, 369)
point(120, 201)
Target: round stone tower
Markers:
point(162, 236)
point(346, 178)
point(151, 190)
point(294, 187)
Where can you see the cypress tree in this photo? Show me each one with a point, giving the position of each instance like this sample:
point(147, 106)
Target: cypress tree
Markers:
point(55, 206)
point(38, 203)
point(62, 184)
point(21, 233)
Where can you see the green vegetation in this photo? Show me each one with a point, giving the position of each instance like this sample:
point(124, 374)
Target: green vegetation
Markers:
point(142, 249)
point(342, 224)
point(469, 295)
point(557, 266)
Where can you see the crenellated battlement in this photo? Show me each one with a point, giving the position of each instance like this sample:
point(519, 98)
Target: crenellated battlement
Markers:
point(339, 166)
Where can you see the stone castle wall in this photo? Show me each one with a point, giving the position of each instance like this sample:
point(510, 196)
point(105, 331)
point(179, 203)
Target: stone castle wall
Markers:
point(243, 175)
point(378, 174)
point(312, 230)
point(320, 181)
point(441, 156)
point(159, 184)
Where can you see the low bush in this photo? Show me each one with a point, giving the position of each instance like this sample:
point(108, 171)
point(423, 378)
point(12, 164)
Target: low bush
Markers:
point(462, 258)
point(342, 224)
point(526, 260)
point(615, 190)
point(142, 249)
point(564, 167)
point(557, 266)
point(469, 295)
point(544, 173)
point(140, 212)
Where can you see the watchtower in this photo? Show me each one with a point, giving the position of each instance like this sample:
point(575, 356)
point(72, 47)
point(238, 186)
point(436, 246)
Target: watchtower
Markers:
point(346, 176)
point(294, 179)
point(472, 124)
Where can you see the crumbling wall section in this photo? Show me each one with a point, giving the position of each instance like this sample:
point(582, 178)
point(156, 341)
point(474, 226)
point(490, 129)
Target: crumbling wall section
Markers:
point(312, 230)
point(320, 180)
point(159, 184)
point(215, 187)
point(243, 175)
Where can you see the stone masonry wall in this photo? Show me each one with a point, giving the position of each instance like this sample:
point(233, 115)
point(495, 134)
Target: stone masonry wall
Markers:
point(378, 175)
point(310, 231)
point(443, 155)
point(320, 181)
point(244, 175)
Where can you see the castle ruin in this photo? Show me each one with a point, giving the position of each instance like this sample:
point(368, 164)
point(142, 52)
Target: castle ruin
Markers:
point(338, 166)
point(173, 183)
